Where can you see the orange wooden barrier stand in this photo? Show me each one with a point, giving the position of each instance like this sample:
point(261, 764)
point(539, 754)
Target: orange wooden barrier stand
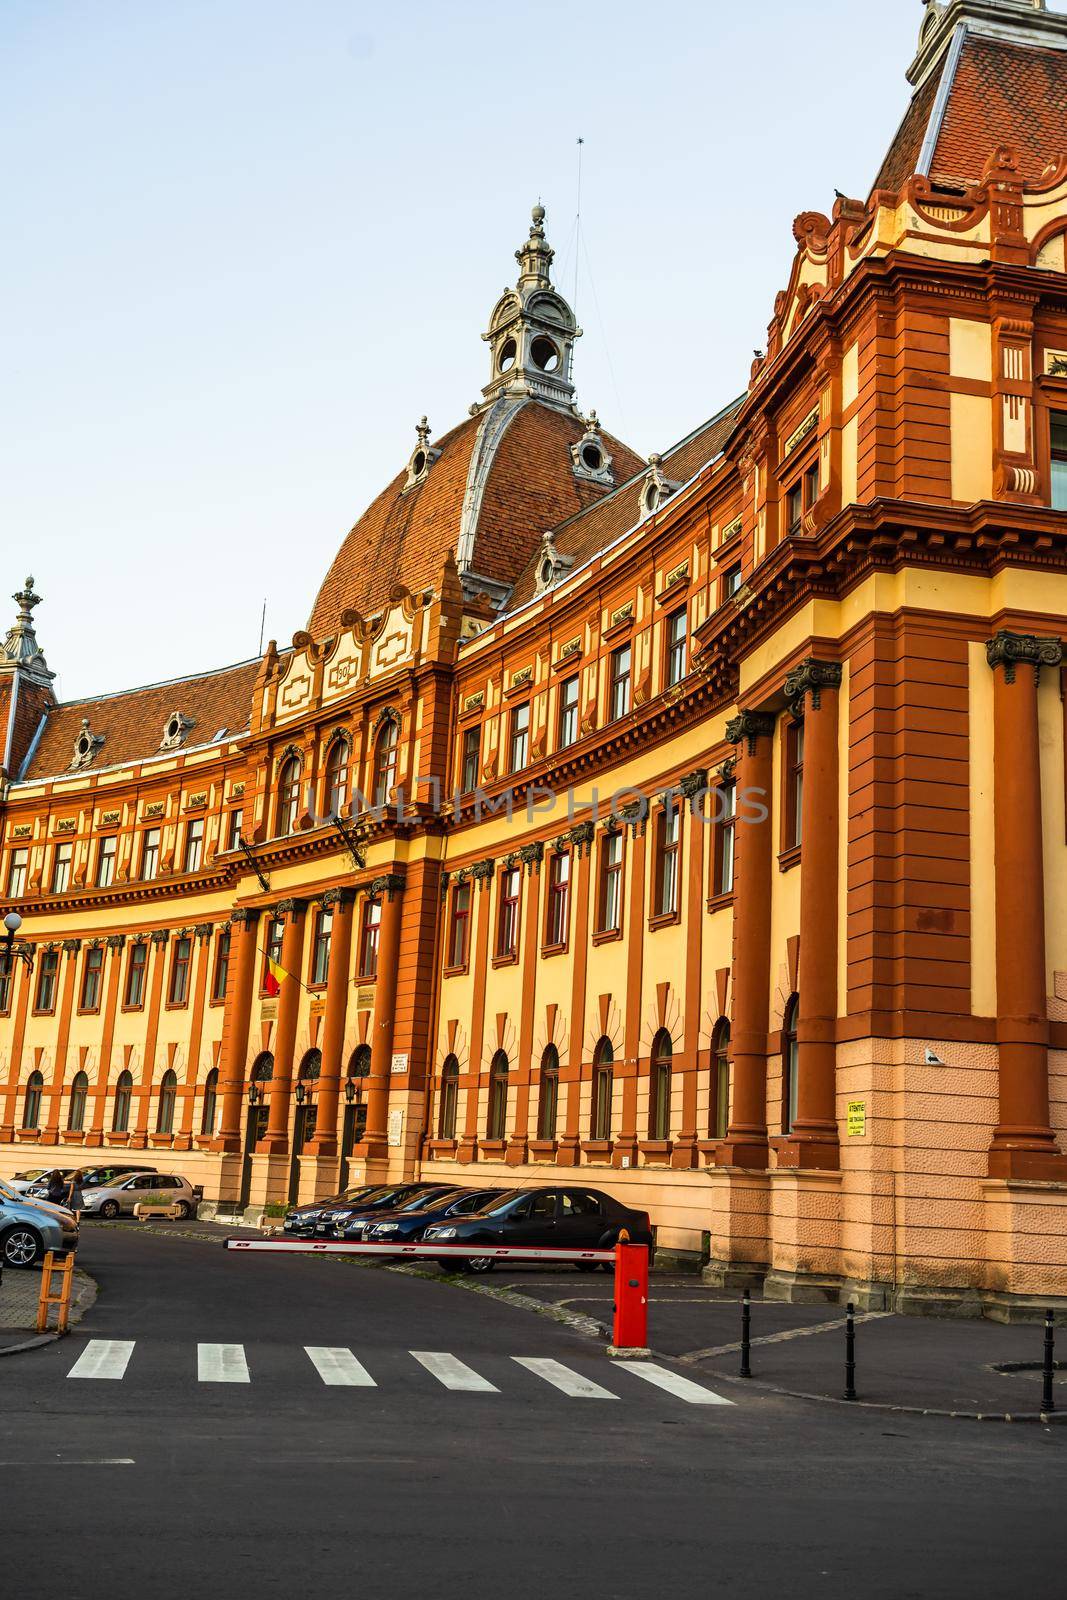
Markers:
point(49, 1298)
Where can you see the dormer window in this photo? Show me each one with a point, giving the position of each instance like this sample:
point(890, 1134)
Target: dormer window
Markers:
point(176, 730)
point(544, 354)
point(85, 746)
point(592, 463)
point(552, 566)
point(506, 358)
point(657, 486)
point(422, 457)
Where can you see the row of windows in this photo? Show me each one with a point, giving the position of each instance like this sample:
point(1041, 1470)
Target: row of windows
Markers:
point(166, 1101)
point(336, 779)
point(603, 1091)
point(147, 863)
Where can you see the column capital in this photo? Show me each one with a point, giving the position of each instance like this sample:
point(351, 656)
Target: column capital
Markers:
point(748, 726)
point(159, 935)
point(811, 677)
point(334, 898)
point(245, 914)
point(72, 946)
point(390, 883)
point(290, 908)
point(1007, 650)
point(115, 941)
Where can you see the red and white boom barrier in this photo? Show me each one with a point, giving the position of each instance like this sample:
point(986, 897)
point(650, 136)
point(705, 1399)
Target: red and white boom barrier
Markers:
point(630, 1261)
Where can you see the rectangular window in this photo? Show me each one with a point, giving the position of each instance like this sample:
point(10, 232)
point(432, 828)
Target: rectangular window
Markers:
point(460, 930)
point(609, 899)
point(677, 644)
point(136, 968)
point(800, 497)
point(507, 927)
point(368, 938)
point(47, 973)
point(149, 854)
point(5, 988)
point(193, 853)
point(16, 873)
point(725, 823)
point(557, 912)
point(472, 749)
point(234, 824)
point(568, 711)
point(180, 962)
point(221, 973)
point(106, 852)
point(1059, 460)
point(668, 837)
point(731, 581)
point(61, 859)
point(619, 696)
point(793, 775)
point(92, 972)
point(320, 946)
point(519, 741)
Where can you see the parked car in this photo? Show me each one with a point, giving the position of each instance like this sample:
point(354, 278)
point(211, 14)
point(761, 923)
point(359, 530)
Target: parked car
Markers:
point(24, 1181)
point(572, 1218)
point(122, 1193)
point(92, 1177)
point(30, 1227)
point(339, 1220)
point(406, 1225)
point(302, 1219)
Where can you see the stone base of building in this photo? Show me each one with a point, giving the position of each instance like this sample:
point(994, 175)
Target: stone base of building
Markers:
point(909, 1300)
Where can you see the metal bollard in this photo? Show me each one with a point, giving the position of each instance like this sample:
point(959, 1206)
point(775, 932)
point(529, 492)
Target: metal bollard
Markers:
point(850, 1351)
point(746, 1334)
point(1048, 1404)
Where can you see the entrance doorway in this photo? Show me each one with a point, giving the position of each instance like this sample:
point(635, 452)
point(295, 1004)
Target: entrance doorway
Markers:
point(352, 1131)
point(303, 1133)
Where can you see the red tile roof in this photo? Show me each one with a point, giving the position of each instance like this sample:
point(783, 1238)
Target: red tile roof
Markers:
point(1001, 93)
point(404, 538)
point(132, 722)
point(593, 530)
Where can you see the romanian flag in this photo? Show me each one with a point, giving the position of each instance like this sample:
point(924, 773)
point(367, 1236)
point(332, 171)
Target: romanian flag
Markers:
point(276, 975)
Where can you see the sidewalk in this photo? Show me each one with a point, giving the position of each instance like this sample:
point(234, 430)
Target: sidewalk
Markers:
point(912, 1363)
point(20, 1291)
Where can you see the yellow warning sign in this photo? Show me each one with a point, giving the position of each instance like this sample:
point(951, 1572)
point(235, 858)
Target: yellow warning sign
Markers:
point(857, 1119)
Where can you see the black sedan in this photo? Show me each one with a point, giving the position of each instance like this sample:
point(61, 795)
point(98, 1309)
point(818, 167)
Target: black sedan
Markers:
point(408, 1224)
point(570, 1218)
point(301, 1220)
point(338, 1219)
point(356, 1220)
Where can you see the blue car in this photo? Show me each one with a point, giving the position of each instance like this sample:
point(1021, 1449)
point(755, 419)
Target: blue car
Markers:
point(30, 1227)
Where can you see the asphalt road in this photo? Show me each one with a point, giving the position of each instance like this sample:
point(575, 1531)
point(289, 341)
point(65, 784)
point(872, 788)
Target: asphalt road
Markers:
point(166, 1481)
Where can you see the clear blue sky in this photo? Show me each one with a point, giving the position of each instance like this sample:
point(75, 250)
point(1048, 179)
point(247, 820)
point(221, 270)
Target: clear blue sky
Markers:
point(246, 244)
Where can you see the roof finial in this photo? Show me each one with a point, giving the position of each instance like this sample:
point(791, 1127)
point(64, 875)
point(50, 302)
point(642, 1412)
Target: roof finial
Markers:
point(535, 257)
point(20, 646)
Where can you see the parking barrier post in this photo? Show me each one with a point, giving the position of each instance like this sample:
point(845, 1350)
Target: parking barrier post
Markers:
point(850, 1351)
point(49, 1297)
point(746, 1334)
point(1048, 1404)
point(630, 1327)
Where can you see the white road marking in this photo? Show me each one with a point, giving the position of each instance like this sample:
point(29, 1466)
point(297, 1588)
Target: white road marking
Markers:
point(338, 1367)
point(674, 1383)
point(562, 1377)
point(103, 1358)
point(221, 1363)
point(452, 1373)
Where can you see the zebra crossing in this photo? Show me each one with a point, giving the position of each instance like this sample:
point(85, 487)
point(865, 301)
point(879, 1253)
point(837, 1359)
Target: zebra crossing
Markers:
point(337, 1366)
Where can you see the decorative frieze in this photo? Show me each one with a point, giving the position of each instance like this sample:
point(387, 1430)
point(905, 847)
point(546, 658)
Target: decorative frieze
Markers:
point(22, 830)
point(811, 677)
point(572, 648)
point(810, 423)
point(195, 802)
point(621, 614)
point(110, 819)
point(65, 825)
point(1008, 650)
point(155, 808)
point(521, 678)
point(475, 701)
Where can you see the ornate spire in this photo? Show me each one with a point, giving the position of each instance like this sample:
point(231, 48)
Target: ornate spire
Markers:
point(20, 647)
point(532, 330)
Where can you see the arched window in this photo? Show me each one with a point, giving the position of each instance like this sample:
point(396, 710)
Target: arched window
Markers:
point(168, 1089)
point(385, 756)
point(335, 793)
point(496, 1126)
point(120, 1119)
point(448, 1099)
point(76, 1111)
point(359, 1064)
point(262, 1071)
point(720, 1082)
point(603, 1089)
point(288, 795)
point(31, 1108)
point(310, 1067)
point(548, 1101)
point(211, 1102)
point(790, 1063)
point(659, 1087)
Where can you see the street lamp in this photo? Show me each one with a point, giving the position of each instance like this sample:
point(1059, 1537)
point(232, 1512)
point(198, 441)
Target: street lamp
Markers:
point(350, 1090)
point(253, 1094)
point(301, 1092)
point(12, 924)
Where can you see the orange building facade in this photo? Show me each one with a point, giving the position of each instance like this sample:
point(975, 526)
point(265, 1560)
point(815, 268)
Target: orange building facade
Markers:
point(692, 827)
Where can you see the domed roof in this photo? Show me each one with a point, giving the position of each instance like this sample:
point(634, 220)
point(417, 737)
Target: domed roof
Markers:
point(501, 478)
point(524, 461)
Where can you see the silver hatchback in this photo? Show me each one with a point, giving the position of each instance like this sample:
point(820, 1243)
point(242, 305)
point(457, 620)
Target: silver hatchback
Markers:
point(135, 1188)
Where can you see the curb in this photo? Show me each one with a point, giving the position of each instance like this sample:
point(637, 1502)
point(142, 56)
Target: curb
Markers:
point(1049, 1418)
point(29, 1344)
